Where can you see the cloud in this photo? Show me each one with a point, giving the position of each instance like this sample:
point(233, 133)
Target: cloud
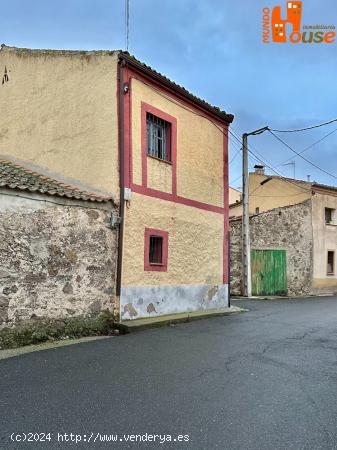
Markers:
point(214, 49)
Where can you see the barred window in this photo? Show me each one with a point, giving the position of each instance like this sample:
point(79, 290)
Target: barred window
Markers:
point(156, 250)
point(158, 137)
point(330, 270)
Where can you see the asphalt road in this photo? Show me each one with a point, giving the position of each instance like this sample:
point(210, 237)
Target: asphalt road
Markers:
point(265, 379)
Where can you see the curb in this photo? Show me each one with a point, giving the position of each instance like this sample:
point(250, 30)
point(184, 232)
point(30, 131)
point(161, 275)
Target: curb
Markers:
point(131, 326)
point(12, 352)
point(283, 297)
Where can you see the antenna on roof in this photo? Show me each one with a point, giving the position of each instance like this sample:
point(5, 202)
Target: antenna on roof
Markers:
point(127, 24)
point(292, 163)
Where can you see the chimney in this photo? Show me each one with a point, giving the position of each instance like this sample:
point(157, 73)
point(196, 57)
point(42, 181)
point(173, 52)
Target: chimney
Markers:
point(259, 168)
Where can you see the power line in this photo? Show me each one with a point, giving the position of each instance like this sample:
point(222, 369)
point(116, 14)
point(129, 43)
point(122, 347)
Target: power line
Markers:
point(234, 157)
point(235, 179)
point(275, 196)
point(304, 129)
point(262, 158)
point(303, 157)
point(257, 156)
point(287, 180)
point(222, 131)
point(310, 146)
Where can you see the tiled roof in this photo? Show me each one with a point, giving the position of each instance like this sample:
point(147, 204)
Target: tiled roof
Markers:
point(303, 183)
point(15, 176)
point(214, 109)
point(324, 186)
point(223, 115)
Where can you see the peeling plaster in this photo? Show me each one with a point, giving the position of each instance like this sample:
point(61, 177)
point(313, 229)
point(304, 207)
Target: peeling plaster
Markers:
point(151, 301)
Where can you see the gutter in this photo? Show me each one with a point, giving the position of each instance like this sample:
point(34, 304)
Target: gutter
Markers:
point(121, 180)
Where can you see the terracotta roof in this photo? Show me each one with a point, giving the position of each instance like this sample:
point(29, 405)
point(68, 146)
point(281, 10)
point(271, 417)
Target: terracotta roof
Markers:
point(142, 66)
point(307, 184)
point(222, 115)
point(15, 176)
point(324, 186)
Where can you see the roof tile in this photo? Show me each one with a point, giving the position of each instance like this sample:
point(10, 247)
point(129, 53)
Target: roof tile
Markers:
point(15, 176)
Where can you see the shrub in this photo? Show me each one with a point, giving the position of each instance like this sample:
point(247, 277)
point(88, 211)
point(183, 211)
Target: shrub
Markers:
point(41, 331)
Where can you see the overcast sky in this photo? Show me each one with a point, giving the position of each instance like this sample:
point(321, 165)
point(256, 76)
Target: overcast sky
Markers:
point(214, 49)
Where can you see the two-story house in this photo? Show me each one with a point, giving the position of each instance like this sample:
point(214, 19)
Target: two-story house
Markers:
point(293, 233)
point(104, 120)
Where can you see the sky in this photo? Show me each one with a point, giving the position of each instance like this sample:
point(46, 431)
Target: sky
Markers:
point(214, 49)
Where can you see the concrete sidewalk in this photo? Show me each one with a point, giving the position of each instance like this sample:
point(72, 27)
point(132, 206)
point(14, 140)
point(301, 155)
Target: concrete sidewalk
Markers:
point(280, 297)
point(129, 326)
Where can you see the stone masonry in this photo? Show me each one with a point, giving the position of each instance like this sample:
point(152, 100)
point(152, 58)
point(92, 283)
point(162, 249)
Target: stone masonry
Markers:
point(288, 228)
point(56, 260)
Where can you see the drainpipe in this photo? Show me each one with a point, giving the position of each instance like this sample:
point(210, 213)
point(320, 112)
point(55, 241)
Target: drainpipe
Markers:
point(121, 179)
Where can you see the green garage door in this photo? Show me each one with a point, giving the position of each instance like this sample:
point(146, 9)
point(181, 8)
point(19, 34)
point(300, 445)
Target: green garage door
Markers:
point(269, 272)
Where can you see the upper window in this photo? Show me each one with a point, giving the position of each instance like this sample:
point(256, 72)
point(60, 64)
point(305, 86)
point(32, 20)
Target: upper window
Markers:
point(330, 216)
point(158, 137)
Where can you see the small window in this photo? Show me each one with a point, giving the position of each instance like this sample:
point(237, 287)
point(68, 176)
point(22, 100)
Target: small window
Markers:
point(257, 210)
point(330, 215)
point(158, 133)
point(156, 250)
point(331, 263)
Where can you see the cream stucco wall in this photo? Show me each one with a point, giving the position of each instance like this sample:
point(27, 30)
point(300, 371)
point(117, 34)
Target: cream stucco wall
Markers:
point(194, 277)
point(234, 195)
point(199, 148)
point(274, 193)
point(325, 238)
point(195, 253)
point(235, 210)
point(59, 111)
point(159, 175)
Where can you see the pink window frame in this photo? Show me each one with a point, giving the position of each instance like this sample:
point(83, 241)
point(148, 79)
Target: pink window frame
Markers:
point(172, 142)
point(150, 266)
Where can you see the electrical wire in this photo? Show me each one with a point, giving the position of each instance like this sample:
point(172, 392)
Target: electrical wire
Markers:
point(275, 196)
point(221, 130)
point(303, 157)
point(235, 179)
point(262, 158)
point(309, 146)
point(304, 129)
point(271, 167)
point(234, 157)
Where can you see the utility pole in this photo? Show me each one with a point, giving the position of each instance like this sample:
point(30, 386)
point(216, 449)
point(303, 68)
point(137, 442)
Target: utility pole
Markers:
point(247, 282)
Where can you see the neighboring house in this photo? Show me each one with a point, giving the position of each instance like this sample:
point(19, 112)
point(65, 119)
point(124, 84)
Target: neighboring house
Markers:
point(234, 195)
point(268, 191)
point(106, 120)
point(293, 232)
point(57, 250)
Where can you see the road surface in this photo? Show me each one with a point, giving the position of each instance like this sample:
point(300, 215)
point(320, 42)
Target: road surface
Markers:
point(262, 380)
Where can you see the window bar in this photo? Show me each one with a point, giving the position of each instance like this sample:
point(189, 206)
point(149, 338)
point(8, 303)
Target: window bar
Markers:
point(157, 137)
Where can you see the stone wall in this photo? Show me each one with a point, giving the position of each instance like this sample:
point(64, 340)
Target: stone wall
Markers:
point(56, 260)
point(288, 228)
